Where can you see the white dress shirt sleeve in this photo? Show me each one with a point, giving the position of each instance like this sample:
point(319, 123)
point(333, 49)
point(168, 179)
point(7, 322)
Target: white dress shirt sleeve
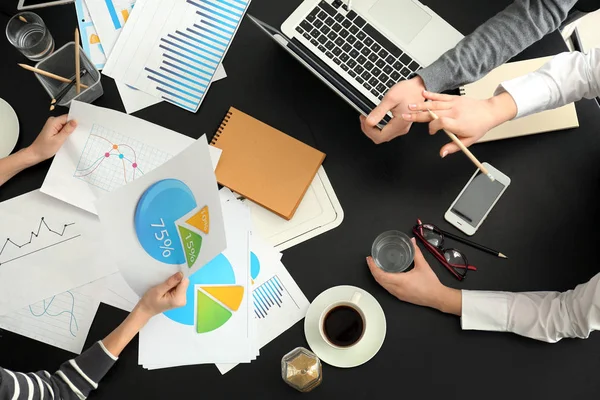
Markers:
point(546, 316)
point(566, 78)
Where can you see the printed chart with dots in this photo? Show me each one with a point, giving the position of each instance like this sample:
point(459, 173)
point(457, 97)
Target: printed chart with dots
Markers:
point(110, 160)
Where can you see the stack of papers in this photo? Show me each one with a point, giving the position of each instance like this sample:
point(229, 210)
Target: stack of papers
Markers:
point(100, 25)
point(216, 324)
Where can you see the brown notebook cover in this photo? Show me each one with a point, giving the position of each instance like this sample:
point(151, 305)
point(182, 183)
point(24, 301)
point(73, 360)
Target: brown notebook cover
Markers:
point(263, 164)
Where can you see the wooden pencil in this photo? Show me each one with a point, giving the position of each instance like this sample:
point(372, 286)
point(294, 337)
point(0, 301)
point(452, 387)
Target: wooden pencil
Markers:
point(22, 19)
point(464, 149)
point(77, 67)
point(48, 74)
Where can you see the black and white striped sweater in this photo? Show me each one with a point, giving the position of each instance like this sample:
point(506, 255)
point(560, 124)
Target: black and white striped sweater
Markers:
point(75, 379)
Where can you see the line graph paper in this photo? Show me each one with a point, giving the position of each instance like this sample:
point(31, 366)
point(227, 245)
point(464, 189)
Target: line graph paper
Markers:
point(63, 320)
point(13, 247)
point(110, 159)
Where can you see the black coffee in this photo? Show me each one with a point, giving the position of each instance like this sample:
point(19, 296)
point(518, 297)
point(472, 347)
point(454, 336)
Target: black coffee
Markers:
point(343, 326)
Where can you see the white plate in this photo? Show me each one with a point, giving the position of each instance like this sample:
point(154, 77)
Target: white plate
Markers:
point(9, 129)
point(371, 341)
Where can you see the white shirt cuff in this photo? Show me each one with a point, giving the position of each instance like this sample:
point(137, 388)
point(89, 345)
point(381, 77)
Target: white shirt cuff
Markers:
point(484, 311)
point(530, 92)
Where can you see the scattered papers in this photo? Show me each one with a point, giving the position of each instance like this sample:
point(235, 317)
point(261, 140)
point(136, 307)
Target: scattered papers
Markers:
point(108, 150)
point(46, 248)
point(166, 221)
point(63, 320)
point(171, 49)
point(109, 18)
point(216, 323)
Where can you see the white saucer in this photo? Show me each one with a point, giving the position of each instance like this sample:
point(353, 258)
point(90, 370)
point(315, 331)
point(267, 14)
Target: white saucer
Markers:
point(371, 341)
point(9, 129)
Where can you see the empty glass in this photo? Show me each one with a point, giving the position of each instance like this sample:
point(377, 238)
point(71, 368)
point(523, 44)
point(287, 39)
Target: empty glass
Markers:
point(28, 33)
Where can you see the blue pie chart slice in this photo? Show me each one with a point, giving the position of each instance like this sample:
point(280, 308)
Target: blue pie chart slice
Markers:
point(217, 272)
point(161, 205)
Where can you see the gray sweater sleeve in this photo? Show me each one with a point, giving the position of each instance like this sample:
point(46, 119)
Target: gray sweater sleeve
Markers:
point(75, 379)
point(503, 36)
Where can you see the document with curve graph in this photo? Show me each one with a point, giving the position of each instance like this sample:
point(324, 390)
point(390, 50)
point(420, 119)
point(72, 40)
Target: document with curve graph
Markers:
point(107, 150)
point(63, 320)
point(46, 248)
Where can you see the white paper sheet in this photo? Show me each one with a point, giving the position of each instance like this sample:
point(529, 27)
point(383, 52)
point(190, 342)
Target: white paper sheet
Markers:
point(117, 293)
point(171, 48)
point(172, 339)
point(135, 100)
point(63, 320)
point(88, 165)
point(278, 301)
point(90, 42)
point(168, 220)
point(318, 212)
point(46, 248)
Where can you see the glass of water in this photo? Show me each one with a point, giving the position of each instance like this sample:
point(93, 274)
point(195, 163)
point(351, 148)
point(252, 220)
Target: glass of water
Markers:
point(28, 33)
point(393, 251)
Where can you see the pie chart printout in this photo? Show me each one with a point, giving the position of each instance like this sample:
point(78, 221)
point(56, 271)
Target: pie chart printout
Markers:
point(212, 297)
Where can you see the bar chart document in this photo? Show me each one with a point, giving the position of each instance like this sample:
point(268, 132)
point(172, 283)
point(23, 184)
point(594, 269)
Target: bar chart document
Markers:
point(171, 48)
point(46, 247)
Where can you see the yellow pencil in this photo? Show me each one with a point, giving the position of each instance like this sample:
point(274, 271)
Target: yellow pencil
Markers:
point(464, 149)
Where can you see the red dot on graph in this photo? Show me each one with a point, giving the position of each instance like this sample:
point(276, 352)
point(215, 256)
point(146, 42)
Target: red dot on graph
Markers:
point(134, 165)
point(106, 154)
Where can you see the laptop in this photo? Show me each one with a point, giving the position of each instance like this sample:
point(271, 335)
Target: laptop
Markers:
point(362, 49)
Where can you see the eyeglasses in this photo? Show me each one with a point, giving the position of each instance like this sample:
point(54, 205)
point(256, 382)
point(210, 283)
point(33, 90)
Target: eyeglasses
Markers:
point(433, 238)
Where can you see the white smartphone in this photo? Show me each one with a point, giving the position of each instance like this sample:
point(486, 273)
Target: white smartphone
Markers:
point(31, 4)
point(476, 200)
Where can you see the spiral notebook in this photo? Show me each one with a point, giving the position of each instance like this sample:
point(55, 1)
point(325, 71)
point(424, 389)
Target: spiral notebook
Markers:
point(564, 117)
point(263, 164)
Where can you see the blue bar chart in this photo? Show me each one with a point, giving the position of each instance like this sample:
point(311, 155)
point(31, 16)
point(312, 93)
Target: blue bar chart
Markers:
point(270, 294)
point(191, 55)
point(174, 47)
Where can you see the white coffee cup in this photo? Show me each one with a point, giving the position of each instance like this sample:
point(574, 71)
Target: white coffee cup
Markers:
point(353, 303)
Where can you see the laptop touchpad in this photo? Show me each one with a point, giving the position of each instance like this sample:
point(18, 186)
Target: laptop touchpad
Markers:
point(403, 18)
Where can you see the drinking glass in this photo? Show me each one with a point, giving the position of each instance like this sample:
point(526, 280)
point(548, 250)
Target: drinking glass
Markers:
point(28, 33)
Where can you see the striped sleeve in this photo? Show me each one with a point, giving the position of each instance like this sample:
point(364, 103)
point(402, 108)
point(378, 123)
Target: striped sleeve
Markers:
point(75, 379)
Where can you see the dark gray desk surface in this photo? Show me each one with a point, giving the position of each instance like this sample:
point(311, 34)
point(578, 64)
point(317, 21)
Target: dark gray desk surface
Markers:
point(547, 222)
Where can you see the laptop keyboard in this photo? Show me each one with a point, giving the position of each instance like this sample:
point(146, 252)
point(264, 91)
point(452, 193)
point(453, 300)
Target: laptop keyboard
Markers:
point(356, 47)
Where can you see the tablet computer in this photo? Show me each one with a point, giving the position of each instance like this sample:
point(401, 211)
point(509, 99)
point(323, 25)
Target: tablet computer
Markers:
point(31, 4)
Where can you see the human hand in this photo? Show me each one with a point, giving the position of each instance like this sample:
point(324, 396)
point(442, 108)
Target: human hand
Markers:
point(469, 119)
point(395, 100)
point(165, 296)
point(52, 136)
point(419, 286)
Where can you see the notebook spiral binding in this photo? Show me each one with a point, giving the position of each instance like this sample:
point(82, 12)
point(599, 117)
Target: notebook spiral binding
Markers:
point(215, 138)
point(462, 91)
